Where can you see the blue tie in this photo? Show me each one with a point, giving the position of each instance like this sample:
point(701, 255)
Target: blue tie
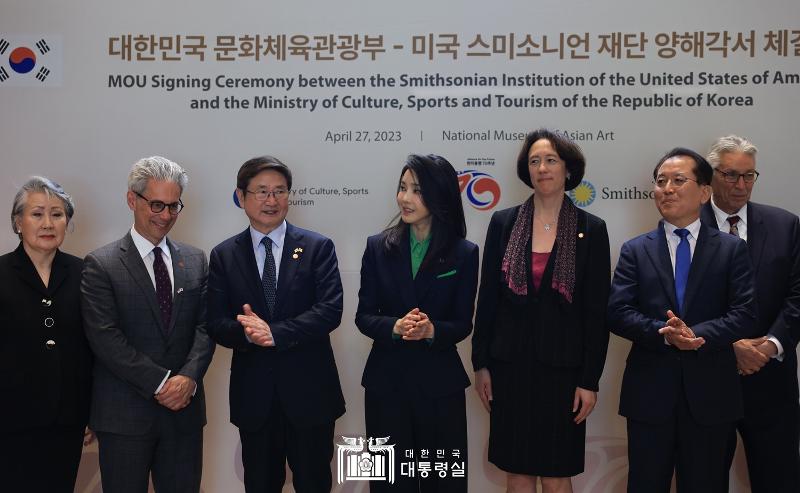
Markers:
point(268, 276)
point(683, 260)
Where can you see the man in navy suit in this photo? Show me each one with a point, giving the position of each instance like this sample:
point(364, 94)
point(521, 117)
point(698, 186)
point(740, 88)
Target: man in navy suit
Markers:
point(682, 294)
point(768, 363)
point(274, 295)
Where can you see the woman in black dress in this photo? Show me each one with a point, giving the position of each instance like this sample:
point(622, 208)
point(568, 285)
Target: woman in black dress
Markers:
point(540, 337)
point(45, 360)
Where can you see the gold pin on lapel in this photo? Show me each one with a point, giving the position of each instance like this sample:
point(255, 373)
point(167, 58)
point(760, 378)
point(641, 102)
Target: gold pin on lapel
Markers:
point(297, 252)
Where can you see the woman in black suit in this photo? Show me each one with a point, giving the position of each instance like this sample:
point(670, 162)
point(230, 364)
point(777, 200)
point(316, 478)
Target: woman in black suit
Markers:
point(540, 337)
point(45, 361)
point(418, 283)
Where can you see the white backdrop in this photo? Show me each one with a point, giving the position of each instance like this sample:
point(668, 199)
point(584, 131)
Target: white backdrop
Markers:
point(76, 125)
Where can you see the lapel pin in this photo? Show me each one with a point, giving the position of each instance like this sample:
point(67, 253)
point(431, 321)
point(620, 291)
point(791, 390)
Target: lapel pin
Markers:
point(296, 253)
point(580, 235)
point(180, 290)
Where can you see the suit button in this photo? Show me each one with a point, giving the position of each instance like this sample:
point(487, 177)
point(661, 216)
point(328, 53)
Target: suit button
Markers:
point(49, 322)
point(50, 344)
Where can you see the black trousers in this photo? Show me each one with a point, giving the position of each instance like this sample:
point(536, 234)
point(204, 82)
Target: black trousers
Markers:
point(415, 423)
point(695, 452)
point(771, 442)
point(308, 450)
point(42, 460)
point(174, 459)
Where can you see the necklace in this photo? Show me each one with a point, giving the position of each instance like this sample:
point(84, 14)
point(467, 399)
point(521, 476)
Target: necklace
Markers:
point(547, 225)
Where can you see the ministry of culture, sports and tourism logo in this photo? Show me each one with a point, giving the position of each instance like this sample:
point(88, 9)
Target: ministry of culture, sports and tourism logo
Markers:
point(28, 60)
point(483, 191)
point(584, 194)
point(365, 460)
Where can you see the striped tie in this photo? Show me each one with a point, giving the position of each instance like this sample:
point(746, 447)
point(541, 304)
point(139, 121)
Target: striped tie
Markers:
point(734, 228)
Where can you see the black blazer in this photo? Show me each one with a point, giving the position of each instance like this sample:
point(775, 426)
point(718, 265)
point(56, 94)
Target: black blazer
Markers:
point(543, 325)
point(300, 367)
point(718, 306)
point(773, 238)
point(42, 386)
point(444, 290)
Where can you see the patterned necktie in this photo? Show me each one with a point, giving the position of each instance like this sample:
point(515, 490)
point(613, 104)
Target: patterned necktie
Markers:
point(683, 260)
point(163, 287)
point(268, 276)
point(733, 220)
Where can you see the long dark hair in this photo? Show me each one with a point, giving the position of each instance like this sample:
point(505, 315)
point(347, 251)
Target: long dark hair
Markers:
point(438, 183)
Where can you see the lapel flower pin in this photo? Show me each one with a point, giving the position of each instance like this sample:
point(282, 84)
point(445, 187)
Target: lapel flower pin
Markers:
point(296, 253)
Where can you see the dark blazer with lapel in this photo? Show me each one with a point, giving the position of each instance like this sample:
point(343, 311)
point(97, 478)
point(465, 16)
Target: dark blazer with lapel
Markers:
point(133, 350)
point(719, 306)
point(543, 325)
point(300, 367)
point(445, 291)
point(773, 238)
point(42, 386)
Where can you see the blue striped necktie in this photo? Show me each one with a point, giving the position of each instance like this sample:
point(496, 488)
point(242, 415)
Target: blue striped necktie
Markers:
point(683, 260)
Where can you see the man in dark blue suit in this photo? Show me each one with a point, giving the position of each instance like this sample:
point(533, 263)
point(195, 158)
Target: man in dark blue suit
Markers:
point(274, 295)
point(682, 294)
point(768, 363)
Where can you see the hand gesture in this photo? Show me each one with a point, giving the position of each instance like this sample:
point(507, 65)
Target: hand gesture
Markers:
point(678, 334)
point(255, 328)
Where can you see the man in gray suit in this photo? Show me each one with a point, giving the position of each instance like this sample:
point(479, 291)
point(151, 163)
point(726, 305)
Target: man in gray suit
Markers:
point(144, 314)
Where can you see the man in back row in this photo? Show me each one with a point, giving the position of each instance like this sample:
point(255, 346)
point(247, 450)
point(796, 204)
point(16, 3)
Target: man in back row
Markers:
point(770, 429)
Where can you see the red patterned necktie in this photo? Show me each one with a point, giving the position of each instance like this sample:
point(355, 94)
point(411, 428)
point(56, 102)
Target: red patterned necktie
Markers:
point(734, 228)
point(163, 287)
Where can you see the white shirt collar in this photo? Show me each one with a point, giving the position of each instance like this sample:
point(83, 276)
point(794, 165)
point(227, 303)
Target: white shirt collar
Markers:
point(144, 246)
point(722, 216)
point(694, 228)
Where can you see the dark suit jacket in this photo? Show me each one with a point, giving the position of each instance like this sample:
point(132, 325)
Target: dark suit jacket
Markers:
point(718, 306)
point(133, 350)
point(543, 325)
point(444, 290)
point(300, 367)
point(773, 238)
point(42, 386)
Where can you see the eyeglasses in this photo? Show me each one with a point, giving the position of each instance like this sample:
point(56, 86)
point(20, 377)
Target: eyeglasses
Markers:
point(677, 181)
point(733, 177)
point(157, 206)
point(262, 195)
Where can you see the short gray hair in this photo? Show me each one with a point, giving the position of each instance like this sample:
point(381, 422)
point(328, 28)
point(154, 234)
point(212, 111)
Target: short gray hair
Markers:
point(39, 184)
point(730, 143)
point(157, 168)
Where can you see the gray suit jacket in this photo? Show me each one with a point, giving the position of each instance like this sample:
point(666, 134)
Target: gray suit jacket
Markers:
point(133, 349)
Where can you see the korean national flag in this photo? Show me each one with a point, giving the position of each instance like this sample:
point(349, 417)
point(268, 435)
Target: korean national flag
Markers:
point(30, 60)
